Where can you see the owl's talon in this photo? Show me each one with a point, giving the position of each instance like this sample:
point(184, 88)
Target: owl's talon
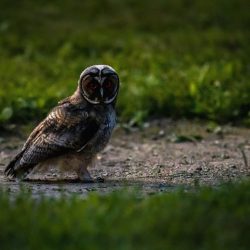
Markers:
point(93, 180)
point(88, 180)
point(99, 179)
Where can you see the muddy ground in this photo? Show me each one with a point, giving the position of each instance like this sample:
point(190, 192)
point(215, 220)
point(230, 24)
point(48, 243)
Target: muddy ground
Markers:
point(161, 156)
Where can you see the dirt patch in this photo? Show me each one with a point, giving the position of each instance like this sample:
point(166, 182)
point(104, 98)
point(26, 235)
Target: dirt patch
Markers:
point(161, 156)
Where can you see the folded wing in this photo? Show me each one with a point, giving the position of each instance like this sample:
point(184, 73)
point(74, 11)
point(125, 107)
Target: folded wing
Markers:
point(65, 129)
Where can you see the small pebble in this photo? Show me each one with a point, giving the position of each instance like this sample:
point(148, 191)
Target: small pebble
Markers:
point(161, 133)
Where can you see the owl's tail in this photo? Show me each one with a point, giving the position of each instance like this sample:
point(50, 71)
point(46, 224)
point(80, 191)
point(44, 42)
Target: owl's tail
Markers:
point(12, 169)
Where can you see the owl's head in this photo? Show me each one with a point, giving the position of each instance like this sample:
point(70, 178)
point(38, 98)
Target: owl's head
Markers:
point(99, 84)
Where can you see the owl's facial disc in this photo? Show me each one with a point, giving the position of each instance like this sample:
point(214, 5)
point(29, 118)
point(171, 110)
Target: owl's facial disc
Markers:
point(99, 85)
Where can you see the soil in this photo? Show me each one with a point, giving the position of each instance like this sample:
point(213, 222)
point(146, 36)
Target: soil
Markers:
point(161, 156)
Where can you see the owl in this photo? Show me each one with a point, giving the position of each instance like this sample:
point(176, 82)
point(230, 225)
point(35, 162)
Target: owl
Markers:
point(75, 130)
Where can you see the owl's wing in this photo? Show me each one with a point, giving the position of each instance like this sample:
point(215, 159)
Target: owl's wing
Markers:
point(65, 129)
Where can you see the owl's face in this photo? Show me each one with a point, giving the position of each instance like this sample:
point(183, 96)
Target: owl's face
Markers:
point(99, 84)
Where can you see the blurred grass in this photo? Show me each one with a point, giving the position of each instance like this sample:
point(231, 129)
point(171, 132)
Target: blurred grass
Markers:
point(175, 58)
point(205, 219)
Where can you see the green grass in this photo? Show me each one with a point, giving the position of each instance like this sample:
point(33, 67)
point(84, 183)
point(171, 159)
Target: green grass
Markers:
point(205, 219)
point(175, 58)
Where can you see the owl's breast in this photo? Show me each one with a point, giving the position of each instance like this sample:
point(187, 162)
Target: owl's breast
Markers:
point(103, 135)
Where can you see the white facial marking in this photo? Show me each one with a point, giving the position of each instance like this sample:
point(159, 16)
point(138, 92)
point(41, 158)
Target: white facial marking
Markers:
point(101, 80)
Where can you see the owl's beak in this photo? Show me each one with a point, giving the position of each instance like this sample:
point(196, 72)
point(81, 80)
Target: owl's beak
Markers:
point(101, 92)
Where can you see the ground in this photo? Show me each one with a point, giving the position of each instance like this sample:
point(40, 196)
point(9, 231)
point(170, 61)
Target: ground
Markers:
point(160, 156)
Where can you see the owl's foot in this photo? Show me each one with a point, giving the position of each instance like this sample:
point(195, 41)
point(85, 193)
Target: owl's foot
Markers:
point(99, 180)
point(85, 176)
point(92, 180)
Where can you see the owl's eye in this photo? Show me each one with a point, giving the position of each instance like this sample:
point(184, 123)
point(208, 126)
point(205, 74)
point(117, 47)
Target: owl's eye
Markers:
point(92, 85)
point(108, 85)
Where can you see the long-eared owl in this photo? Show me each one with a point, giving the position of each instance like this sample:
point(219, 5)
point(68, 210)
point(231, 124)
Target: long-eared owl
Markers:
point(76, 129)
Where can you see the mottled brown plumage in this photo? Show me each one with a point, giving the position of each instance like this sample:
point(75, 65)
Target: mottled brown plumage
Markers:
point(75, 130)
